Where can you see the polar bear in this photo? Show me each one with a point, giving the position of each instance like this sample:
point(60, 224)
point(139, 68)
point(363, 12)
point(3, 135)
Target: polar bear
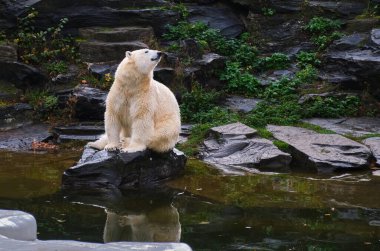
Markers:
point(140, 111)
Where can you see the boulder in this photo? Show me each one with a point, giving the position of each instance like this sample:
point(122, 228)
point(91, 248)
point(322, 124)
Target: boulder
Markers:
point(322, 152)
point(115, 170)
point(90, 103)
point(17, 225)
point(357, 127)
point(374, 145)
point(117, 34)
point(341, 8)
point(15, 116)
point(99, 51)
point(241, 104)
point(8, 52)
point(21, 139)
point(233, 149)
point(220, 17)
point(165, 75)
point(375, 37)
point(350, 42)
point(98, 70)
point(21, 75)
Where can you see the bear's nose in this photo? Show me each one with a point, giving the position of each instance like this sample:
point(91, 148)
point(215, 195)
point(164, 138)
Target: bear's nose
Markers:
point(159, 54)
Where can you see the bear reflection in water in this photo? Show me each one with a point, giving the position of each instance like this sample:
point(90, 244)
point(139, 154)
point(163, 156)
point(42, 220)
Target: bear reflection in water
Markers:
point(156, 225)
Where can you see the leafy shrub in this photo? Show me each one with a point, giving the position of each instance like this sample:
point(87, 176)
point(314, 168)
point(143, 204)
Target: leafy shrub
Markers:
point(197, 101)
point(284, 113)
point(307, 75)
point(307, 58)
point(280, 90)
point(332, 107)
point(56, 67)
point(276, 61)
point(238, 80)
point(323, 41)
point(217, 115)
point(268, 11)
point(322, 25)
point(41, 101)
point(38, 46)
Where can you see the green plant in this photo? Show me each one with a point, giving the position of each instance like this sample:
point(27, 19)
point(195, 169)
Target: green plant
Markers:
point(268, 11)
point(56, 67)
point(283, 146)
point(323, 41)
point(197, 102)
point(281, 90)
point(238, 80)
point(41, 101)
point(276, 61)
point(322, 25)
point(307, 75)
point(284, 113)
point(307, 58)
point(198, 134)
point(332, 107)
point(39, 46)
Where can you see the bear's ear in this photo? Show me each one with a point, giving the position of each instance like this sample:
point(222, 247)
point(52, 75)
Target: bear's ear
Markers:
point(128, 54)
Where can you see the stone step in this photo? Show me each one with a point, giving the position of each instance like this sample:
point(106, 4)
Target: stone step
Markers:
point(117, 34)
point(96, 51)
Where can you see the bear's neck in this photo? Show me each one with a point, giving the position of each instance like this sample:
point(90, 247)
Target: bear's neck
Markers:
point(135, 83)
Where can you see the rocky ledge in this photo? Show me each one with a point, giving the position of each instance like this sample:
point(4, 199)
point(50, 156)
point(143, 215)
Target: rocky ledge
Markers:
point(116, 170)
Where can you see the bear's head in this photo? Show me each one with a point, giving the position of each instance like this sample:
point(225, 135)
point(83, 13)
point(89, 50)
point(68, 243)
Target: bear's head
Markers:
point(145, 60)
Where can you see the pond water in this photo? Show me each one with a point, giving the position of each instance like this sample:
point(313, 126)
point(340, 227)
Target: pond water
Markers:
point(204, 209)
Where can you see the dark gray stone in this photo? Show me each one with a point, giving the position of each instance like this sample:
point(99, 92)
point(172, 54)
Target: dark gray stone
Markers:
point(98, 51)
point(190, 47)
point(375, 37)
point(232, 149)
point(374, 145)
point(117, 34)
point(350, 42)
point(8, 53)
point(270, 77)
point(115, 170)
point(241, 104)
point(21, 139)
point(98, 70)
point(309, 97)
point(90, 103)
point(15, 116)
point(324, 153)
point(342, 8)
point(219, 17)
point(21, 75)
point(78, 132)
point(164, 75)
point(66, 78)
point(351, 126)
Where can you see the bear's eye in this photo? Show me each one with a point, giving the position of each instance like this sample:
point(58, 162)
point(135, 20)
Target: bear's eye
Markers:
point(146, 51)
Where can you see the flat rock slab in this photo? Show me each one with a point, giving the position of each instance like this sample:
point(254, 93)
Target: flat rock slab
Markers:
point(374, 145)
point(322, 152)
point(351, 126)
point(115, 170)
point(241, 104)
point(21, 139)
point(79, 132)
point(234, 129)
point(232, 149)
point(17, 225)
point(9, 244)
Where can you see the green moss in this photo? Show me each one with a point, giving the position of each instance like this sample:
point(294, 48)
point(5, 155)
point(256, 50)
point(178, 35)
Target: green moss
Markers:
point(361, 138)
point(264, 133)
point(198, 134)
point(283, 146)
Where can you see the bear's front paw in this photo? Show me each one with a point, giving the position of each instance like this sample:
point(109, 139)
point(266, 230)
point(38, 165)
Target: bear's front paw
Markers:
point(134, 148)
point(111, 147)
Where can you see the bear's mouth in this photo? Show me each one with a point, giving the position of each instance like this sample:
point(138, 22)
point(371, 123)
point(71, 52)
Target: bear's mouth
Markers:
point(156, 58)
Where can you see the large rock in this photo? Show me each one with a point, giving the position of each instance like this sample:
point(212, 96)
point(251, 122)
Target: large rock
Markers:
point(15, 116)
point(322, 152)
point(99, 51)
point(241, 104)
point(233, 149)
point(117, 34)
point(17, 225)
point(374, 145)
point(219, 17)
point(8, 52)
point(115, 170)
point(90, 103)
point(21, 75)
point(357, 127)
point(21, 139)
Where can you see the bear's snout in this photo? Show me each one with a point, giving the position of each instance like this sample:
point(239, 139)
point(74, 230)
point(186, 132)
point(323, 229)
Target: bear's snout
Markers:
point(158, 57)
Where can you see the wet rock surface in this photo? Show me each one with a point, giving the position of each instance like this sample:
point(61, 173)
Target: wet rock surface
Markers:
point(357, 127)
point(15, 116)
point(115, 170)
point(22, 138)
point(233, 149)
point(322, 152)
point(90, 103)
point(374, 145)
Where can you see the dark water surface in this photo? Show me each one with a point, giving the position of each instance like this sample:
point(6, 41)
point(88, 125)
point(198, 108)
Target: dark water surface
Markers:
point(204, 209)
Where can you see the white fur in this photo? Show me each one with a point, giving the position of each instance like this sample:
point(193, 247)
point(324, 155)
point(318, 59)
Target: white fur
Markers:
point(140, 111)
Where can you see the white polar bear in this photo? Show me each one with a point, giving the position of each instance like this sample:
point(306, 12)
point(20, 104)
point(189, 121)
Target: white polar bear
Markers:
point(140, 111)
